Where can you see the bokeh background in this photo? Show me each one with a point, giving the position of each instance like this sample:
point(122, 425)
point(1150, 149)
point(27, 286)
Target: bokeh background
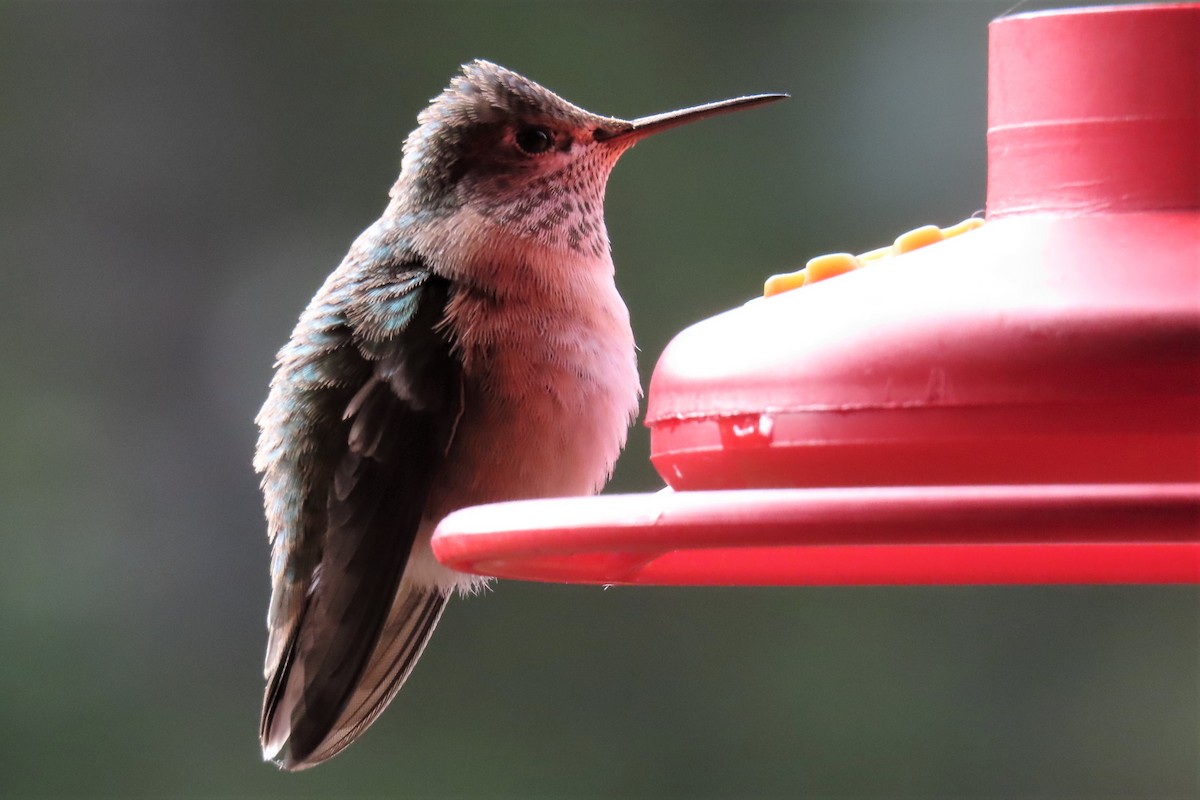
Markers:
point(175, 181)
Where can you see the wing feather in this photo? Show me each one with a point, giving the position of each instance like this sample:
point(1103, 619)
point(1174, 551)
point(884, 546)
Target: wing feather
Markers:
point(347, 466)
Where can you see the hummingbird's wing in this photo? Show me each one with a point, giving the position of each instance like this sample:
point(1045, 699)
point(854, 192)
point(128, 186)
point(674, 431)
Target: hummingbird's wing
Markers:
point(361, 410)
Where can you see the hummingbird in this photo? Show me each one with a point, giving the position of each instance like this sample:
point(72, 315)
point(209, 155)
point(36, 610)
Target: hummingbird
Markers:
point(470, 348)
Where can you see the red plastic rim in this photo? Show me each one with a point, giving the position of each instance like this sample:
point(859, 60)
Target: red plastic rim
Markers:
point(1096, 534)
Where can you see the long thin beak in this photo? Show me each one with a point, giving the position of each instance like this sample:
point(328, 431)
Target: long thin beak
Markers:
point(657, 123)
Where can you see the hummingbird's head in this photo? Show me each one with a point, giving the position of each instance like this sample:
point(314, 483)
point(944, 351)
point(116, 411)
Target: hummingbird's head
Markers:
point(522, 157)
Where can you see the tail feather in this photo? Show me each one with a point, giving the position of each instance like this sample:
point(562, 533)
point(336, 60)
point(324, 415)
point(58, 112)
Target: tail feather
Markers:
point(298, 734)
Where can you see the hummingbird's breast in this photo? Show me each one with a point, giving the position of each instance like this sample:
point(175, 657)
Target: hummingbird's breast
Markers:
point(549, 371)
point(550, 389)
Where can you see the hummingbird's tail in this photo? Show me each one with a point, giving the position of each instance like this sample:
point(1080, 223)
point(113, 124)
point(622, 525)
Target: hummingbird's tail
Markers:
point(298, 731)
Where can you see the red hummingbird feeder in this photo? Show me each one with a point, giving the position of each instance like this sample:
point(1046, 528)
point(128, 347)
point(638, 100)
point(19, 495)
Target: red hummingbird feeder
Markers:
point(1019, 403)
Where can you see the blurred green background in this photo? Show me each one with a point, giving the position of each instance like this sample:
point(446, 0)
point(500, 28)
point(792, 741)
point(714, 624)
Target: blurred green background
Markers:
point(177, 178)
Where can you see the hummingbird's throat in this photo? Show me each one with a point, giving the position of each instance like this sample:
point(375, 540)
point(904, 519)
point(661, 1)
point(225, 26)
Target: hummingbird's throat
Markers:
point(560, 209)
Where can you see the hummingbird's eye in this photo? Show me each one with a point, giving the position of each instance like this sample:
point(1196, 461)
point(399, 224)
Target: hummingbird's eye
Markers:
point(534, 139)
